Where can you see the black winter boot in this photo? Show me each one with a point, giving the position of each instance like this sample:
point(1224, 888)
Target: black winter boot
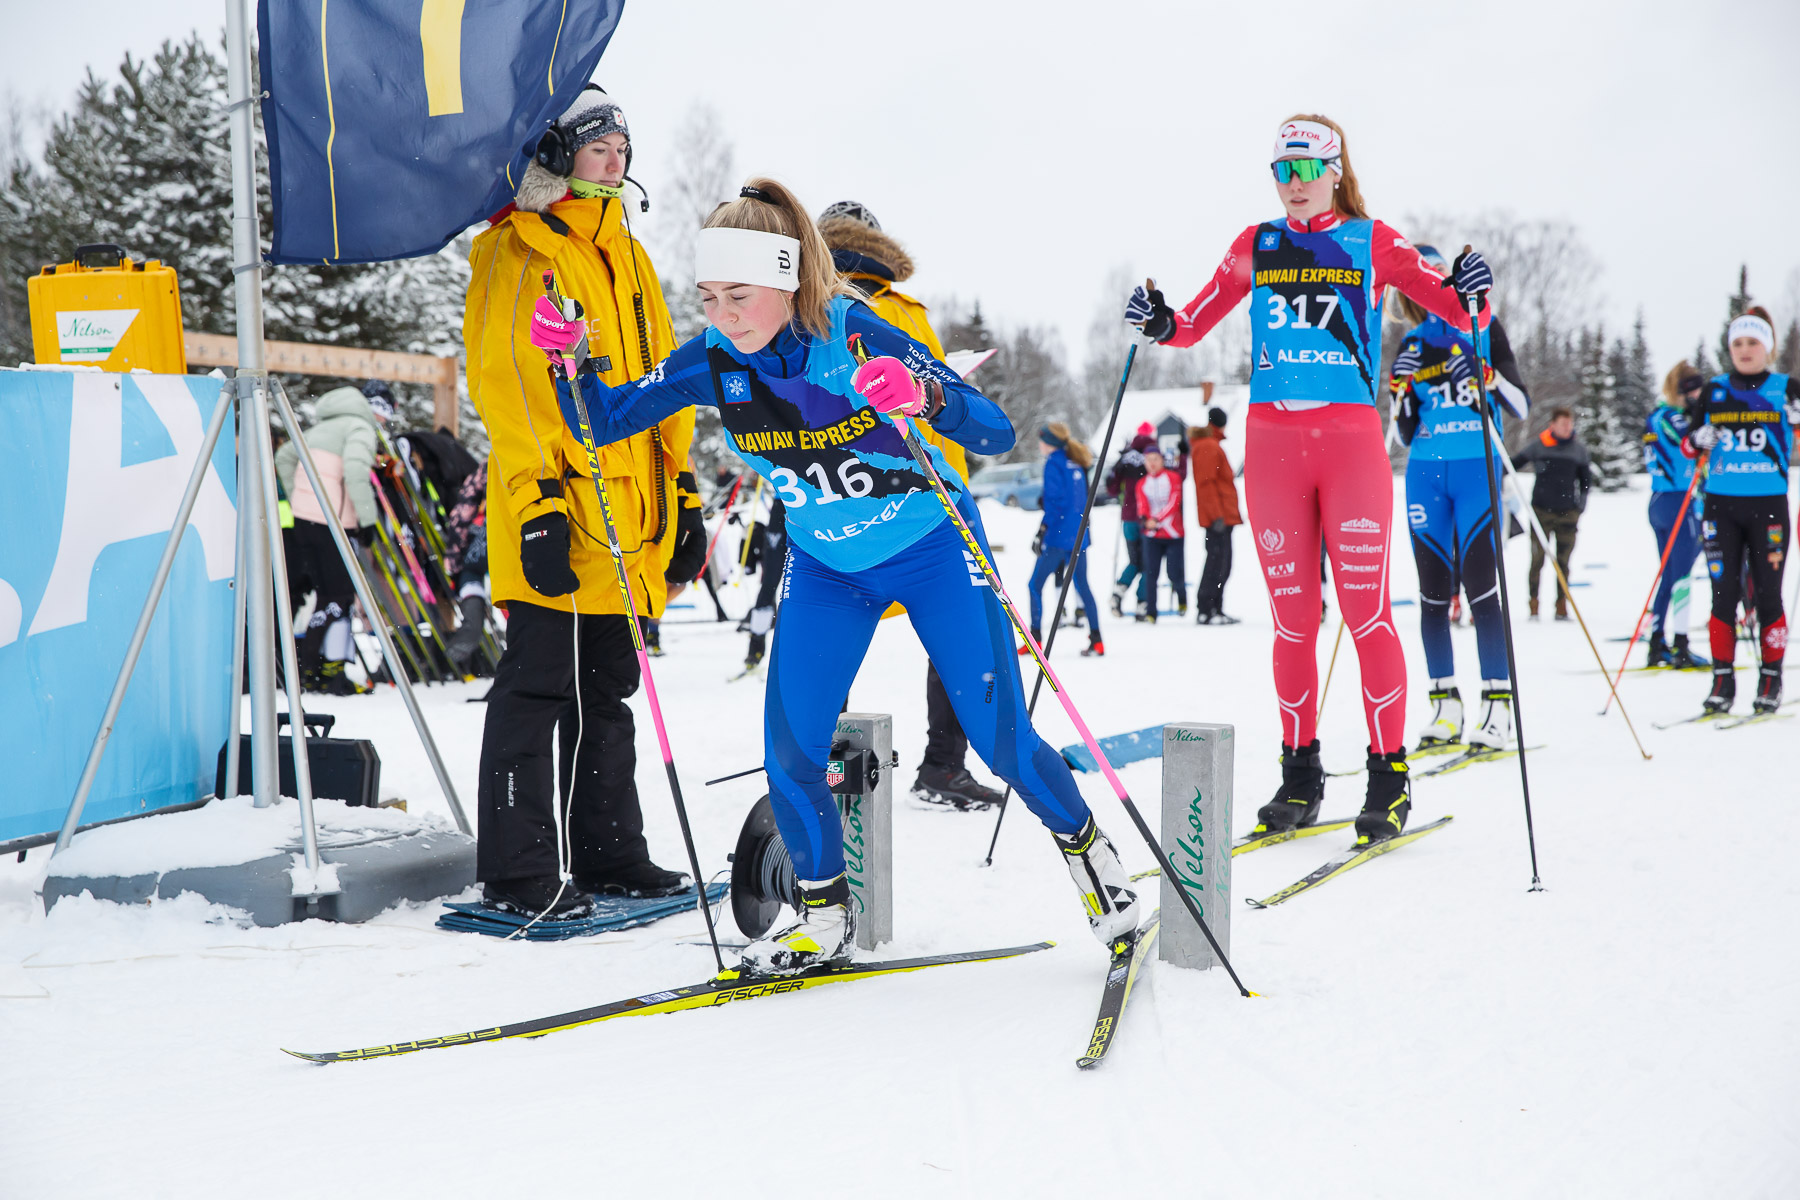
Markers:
point(634, 879)
point(537, 894)
point(1389, 798)
point(1302, 790)
point(1724, 689)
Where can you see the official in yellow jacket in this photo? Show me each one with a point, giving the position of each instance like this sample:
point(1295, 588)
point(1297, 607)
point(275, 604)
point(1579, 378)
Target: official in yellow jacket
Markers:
point(548, 559)
point(875, 262)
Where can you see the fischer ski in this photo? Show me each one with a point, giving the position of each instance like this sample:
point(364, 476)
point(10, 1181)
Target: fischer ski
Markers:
point(1350, 859)
point(1435, 750)
point(1705, 718)
point(1252, 841)
point(1128, 957)
point(1753, 719)
point(725, 988)
point(1472, 757)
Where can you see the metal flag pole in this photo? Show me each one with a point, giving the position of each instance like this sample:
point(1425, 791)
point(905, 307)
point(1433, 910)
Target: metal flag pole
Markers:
point(195, 478)
point(236, 706)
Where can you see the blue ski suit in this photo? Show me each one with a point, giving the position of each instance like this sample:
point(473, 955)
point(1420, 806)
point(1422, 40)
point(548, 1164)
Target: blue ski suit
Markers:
point(1065, 496)
point(1448, 505)
point(1671, 471)
point(864, 530)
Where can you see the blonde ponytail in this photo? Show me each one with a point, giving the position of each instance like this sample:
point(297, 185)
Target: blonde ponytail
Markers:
point(1077, 450)
point(784, 214)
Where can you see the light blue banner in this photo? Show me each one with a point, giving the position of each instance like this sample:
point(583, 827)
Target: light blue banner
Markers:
point(96, 465)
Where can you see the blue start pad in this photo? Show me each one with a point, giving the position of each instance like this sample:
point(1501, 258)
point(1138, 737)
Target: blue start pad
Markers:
point(610, 912)
point(1120, 748)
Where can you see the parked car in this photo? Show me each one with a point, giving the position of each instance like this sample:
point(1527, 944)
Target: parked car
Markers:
point(1020, 485)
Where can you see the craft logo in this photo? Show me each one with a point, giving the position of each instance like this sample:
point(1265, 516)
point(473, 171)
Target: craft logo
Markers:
point(92, 336)
point(737, 386)
point(1282, 570)
point(976, 577)
point(1271, 540)
point(1270, 240)
point(834, 772)
point(1360, 525)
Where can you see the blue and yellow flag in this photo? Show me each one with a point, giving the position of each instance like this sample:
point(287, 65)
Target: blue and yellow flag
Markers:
point(393, 125)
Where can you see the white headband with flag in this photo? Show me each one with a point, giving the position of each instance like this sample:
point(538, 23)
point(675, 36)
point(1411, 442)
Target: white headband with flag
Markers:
point(748, 256)
point(1752, 326)
point(1308, 139)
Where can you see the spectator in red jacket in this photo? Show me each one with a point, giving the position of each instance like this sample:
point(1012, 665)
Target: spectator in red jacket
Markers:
point(1162, 541)
point(1215, 511)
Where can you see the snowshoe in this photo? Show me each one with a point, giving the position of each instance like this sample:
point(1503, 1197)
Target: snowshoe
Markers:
point(544, 896)
point(1724, 690)
point(1106, 893)
point(1659, 655)
point(642, 880)
point(1388, 800)
point(1496, 728)
point(952, 788)
point(1302, 790)
point(1768, 689)
point(1446, 716)
point(823, 934)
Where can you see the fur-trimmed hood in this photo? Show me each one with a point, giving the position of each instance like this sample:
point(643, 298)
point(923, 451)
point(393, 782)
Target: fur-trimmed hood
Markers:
point(539, 189)
point(845, 235)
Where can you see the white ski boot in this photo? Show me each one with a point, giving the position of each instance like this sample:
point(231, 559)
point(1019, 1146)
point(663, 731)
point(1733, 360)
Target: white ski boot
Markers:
point(1446, 726)
point(1496, 729)
point(1106, 894)
point(824, 933)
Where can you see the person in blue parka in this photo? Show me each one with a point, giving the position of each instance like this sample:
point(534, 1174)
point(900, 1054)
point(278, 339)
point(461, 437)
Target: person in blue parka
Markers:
point(1066, 463)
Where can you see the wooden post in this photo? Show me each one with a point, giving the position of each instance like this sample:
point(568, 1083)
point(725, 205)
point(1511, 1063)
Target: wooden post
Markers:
point(205, 350)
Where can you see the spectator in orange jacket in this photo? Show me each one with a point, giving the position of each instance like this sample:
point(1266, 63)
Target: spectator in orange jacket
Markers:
point(1159, 516)
point(1216, 512)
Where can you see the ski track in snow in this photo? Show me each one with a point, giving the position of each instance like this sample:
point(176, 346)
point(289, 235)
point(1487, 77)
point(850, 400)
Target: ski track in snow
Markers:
point(1427, 1027)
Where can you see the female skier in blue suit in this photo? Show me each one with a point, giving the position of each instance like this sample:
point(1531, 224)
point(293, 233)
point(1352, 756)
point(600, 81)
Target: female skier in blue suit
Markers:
point(865, 530)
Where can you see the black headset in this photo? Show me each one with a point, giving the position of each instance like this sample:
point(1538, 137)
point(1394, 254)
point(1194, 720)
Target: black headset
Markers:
point(556, 151)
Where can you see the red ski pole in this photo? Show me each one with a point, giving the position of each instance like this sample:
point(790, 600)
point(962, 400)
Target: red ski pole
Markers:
point(1680, 515)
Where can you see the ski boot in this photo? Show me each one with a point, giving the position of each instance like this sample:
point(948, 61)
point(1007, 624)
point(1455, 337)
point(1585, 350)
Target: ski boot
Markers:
point(544, 896)
point(1118, 600)
point(1659, 655)
point(1496, 728)
point(333, 682)
point(1534, 609)
point(1680, 656)
point(640, 879)
point(1181, 604)
point(1768, 689)
point(652, 631)
point(1106, 893)
point(952, 787)
point(1724, 689)
point(1025, 647)
point(1562, 608)
point(822, 935)
point(1145, 614)
point(1446, 716)
point(1095, 647)
point(1302, 790)
point(1388, 801)
point(759, 643)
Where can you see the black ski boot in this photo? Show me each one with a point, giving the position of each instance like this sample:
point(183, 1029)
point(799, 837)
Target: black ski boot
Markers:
point(759, 643)
point(1302, 790)
point(1682, 658)
point(952, 788)
point(639, 879)
point(1389, 798)
point(1659, 651)
point(1768, 689)
point(1724, 690)
point(538, 894)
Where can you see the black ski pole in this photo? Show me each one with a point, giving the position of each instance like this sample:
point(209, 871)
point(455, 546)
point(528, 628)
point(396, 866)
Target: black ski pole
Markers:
point(1490, 421)
point(1062, 597)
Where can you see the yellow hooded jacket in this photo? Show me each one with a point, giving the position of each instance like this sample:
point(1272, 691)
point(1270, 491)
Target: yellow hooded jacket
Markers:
point(597, 262)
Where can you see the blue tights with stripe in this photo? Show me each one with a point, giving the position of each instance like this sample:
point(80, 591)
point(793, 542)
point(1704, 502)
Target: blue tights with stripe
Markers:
point(827, 621)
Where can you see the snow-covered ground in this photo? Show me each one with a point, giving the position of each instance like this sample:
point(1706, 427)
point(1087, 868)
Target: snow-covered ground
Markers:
point(1427, 1027)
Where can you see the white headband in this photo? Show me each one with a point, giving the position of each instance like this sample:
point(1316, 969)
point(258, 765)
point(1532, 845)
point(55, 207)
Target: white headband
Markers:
point(748, 256)
point(1752, 326)
point(1308, 139)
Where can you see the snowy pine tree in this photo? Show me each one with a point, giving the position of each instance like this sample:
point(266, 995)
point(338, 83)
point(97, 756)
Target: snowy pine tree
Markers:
point(1612, 446)
point(1634, 390)
point(1701, 361)
point(1735, 305)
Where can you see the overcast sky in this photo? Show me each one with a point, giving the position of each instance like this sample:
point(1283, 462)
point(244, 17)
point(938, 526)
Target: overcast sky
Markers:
point(1023, 150)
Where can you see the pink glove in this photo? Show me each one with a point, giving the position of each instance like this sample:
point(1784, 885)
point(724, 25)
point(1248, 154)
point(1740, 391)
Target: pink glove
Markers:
point(558, 336)
point(889, 387)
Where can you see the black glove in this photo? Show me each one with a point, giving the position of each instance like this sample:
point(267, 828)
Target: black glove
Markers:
point(544, 555)
point(1470, 276)
point(364, 534)
point(1147, 309)
point(1037, 543)
point(1218, 526)
point(690, 547)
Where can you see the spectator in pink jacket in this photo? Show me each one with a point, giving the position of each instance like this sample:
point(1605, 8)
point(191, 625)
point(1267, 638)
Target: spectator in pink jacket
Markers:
point(1162, 540)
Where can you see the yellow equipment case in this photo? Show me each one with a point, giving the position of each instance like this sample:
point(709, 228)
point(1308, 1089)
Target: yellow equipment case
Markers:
point(106, 311)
